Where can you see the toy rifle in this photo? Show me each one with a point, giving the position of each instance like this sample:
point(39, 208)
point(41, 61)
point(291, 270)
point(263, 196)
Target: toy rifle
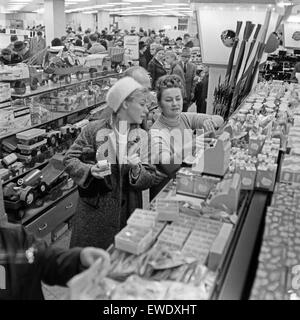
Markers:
point(254, 65)
point(232, 55)
point(234, 90)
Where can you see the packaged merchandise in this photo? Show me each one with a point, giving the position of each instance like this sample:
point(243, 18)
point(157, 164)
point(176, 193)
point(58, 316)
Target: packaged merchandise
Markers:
point(5, 92)
point(134, 240)
point(167, 210)
point(218, 247)
point(13, 118)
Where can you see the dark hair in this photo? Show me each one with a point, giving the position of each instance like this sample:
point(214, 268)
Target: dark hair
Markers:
point(56, 42)
point(78, 43)
point(109, 37)
point(87, 31)
point(13, 38)
point(39, 33)
point(79, 36)
point(167, 82)
point(86, 39)
point(186, 35)
point(142, 45)
point(93, 37)
point(104, 43)
point(178, 38)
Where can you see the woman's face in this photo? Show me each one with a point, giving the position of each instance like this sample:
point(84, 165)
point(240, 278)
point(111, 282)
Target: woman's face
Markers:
point(137, 109)
point(171, 102)
point(160, 55)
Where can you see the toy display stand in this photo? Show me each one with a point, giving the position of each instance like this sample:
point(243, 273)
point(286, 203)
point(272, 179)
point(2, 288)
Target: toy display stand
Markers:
point(226, 193)
point(215, 160)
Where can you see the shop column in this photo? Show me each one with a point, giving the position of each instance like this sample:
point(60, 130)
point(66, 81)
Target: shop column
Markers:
point(103, 20)
point(55, 19)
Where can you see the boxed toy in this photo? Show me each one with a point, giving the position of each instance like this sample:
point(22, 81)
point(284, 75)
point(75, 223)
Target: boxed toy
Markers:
point(133, 239)
point(266, 176)
point(167, 210)
point(5, 92)
point(14, 118)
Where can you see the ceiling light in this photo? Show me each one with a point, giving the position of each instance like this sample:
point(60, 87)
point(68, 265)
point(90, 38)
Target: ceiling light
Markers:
point(282, 4)
point(90, 12)
point(293, 18)
point(176, 4)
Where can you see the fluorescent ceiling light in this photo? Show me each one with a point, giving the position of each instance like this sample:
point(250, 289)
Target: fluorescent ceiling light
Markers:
point(176, 4)
point(90, 12)
point(118, 3)
point(294, 18)
point(282, 4)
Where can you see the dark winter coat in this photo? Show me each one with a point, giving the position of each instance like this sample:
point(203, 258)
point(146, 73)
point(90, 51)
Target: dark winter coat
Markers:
point(189, 79)
point(53, 266)
point(156, 71)
point(105, 204)
point(177, 70)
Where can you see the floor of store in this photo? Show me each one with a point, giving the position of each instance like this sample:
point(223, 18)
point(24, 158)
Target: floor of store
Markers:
point(57, 292)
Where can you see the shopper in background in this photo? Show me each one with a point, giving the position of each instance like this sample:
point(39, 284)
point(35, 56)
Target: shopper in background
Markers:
point(26, 262)
point(156, 65)
point(23, 51)
point(196, 41)
point(200, 94)
point(13, 39)
point(96, 47)
point(105, 203)
point(9, 58)
point(187, 41)
point(170, 100)
point(189, 70)
point(157, 40)
point(86, 43)
point(179, 43)
point(38, 43)
point(142, 57)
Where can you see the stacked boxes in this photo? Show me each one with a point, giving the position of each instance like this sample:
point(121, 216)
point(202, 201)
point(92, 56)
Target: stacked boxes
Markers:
point(168, 210)
point(194, 184)
point(279, 258)
point(5, 93)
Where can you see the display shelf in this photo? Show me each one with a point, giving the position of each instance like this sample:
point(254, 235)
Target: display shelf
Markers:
point(245, 201)
point(33, 213)
point(37, 166)
point(57, 116)
point(237, 276)
point(58, 86)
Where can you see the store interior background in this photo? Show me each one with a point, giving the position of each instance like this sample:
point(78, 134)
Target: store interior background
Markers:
point(205, 17)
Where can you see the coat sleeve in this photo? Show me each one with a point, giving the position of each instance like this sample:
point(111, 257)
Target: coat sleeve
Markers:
point(79, 171)
point(196, 120)
point(151, 70)
point(59, 265)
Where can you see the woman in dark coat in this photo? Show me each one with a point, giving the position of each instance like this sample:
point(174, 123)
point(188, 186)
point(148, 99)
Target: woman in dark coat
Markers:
point(156, 67)
point(105, 203)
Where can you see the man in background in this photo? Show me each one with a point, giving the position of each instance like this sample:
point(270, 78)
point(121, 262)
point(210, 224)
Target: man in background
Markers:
point(38, 44)
point(8, 57)
point(188, 43)
point(13, 39)
point(96, 47)
point(142, 57)
point(189, 70)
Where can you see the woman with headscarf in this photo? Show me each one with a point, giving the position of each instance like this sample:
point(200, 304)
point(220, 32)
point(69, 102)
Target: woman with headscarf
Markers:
point(106, 202)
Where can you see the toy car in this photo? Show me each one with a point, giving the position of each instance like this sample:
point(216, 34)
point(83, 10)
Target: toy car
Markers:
point(53, 173)
point(25, 191)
